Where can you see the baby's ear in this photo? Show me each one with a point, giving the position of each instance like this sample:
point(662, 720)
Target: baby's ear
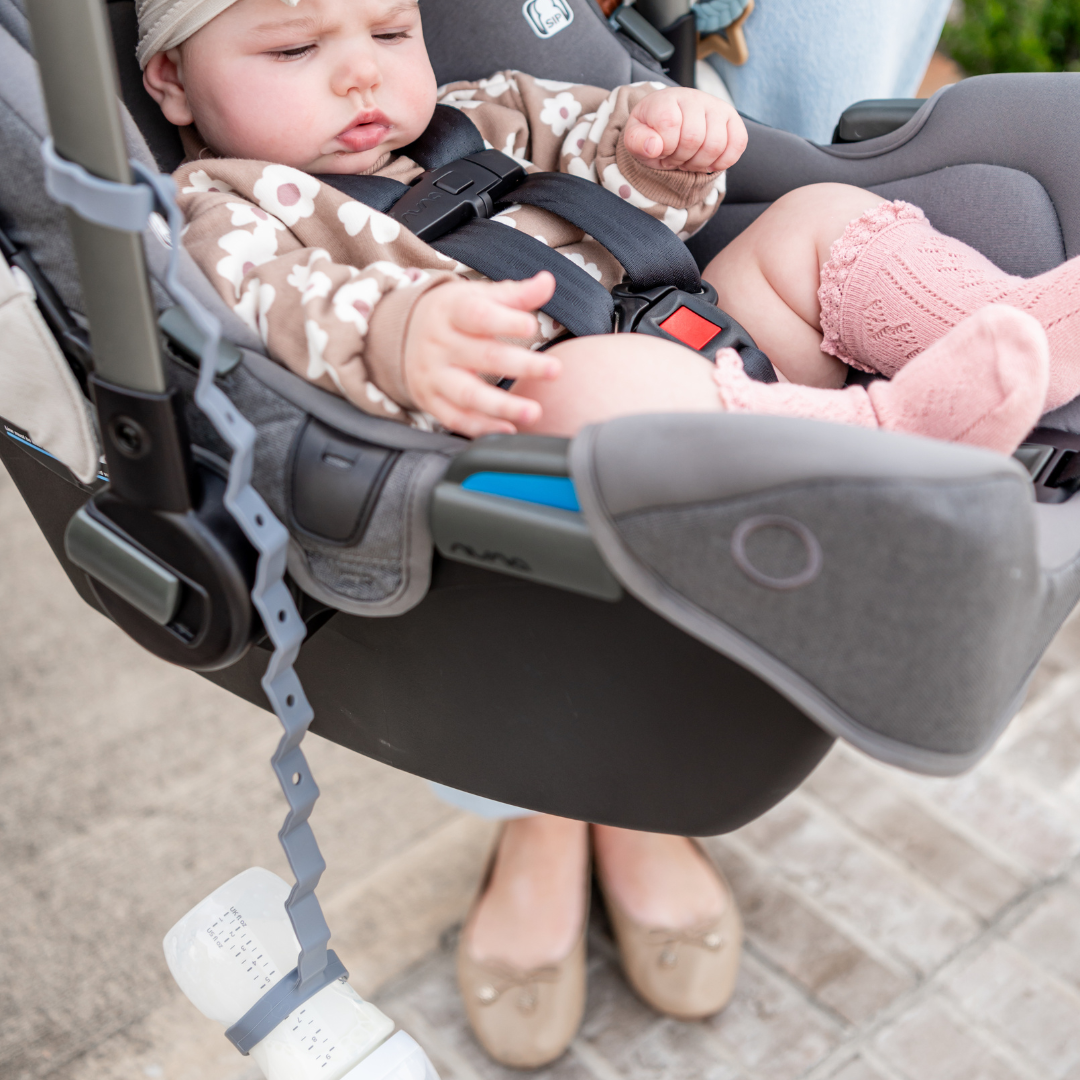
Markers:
point(163, 83)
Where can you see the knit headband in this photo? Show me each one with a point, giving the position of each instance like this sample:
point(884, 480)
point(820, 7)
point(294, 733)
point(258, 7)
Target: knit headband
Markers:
point(164, 24)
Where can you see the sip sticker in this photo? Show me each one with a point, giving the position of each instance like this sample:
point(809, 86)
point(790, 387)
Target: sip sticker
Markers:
point(547, 17)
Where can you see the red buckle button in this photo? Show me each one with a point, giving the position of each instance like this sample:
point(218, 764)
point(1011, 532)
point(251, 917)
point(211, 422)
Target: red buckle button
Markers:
point(690, 328)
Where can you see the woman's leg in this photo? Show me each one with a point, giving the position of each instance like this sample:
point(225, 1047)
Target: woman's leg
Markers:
point(768, 277)
point(532, 910)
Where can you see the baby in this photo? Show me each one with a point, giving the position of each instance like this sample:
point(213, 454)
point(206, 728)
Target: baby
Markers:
point(269, 96)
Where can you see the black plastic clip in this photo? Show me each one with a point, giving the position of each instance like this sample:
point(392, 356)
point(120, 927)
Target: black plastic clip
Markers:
point(691, 319)
point(440, 200)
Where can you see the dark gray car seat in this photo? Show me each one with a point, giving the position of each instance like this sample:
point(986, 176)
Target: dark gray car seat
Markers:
point(735, 591)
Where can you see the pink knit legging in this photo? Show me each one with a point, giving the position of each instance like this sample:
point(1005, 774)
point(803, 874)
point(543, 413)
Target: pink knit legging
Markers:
point(894, 285)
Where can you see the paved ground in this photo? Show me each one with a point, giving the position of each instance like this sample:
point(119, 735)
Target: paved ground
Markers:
point(899, 928)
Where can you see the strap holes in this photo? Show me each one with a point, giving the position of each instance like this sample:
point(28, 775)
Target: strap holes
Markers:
point(296, 778)
point(282, 616)
point(230, 418)
point(259, 520)
point(290, 701)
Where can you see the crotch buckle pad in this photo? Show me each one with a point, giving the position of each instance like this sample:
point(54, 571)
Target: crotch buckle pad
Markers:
point(691, 319)
point(440, 200)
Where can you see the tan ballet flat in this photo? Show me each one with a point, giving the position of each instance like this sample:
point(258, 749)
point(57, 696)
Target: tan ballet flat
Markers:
point(523, 1019)
point(688, 974)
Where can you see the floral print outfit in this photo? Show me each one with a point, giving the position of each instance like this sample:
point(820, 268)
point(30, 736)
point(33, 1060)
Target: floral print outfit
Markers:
point(329, 284)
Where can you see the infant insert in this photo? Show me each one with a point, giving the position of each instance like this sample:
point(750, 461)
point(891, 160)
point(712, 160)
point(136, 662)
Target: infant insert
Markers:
point(660, 624)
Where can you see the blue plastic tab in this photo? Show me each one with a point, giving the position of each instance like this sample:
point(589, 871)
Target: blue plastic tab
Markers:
point(555, 491)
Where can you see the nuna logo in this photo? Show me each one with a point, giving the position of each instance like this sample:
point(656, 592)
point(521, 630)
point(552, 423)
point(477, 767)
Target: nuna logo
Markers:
point(547, 17)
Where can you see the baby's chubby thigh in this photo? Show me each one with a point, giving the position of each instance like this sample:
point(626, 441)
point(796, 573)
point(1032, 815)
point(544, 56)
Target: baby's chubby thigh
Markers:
point(611, 375)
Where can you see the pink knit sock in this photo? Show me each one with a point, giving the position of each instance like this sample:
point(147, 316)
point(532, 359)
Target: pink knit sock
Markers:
point(894, 285)
point(983, 383)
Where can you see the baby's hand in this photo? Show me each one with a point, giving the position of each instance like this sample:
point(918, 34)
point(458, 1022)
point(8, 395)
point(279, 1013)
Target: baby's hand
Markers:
point(682, 128)
point(453, 335)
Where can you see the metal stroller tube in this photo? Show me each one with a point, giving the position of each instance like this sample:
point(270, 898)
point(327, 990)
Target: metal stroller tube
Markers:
point(78, 76)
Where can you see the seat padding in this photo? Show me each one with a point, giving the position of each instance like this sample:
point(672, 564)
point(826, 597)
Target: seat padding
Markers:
point(960, 201)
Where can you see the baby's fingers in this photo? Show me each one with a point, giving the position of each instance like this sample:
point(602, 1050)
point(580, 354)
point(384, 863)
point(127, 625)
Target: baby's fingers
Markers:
point(470, 424)
point(471, 394)
point(480, 314)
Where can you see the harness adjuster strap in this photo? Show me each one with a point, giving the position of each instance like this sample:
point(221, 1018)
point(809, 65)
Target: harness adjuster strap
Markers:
point(283, 998)
point(441, 200)
point(103, 202)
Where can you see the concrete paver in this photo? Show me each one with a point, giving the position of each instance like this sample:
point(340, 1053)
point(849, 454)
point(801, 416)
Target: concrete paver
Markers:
point(898, 927)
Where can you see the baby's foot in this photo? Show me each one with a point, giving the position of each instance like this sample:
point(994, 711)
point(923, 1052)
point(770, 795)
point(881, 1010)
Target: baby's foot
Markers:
point(984, 383)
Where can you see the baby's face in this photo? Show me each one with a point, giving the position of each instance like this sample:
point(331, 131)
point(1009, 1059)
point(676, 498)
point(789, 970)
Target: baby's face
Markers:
point(328, 86)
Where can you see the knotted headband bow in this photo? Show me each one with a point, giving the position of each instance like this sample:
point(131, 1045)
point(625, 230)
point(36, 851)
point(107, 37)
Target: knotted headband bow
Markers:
point(164, 24)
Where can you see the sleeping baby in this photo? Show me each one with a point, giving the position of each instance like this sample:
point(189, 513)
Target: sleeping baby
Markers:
point(269, 97)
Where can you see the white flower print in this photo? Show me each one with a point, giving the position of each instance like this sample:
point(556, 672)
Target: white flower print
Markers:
point(601, 118)
point(548, 326)
point(286, 193)
point(675, 220)
point(719, 188)
point(560, 112)
point(242, 213)
point(377, 397)
point(355, 301)
point(551, 84)
point(574, 143)
point(200, 181)
point(246, 250)
point(498, 84)
point(589, 268)
point(312, 284)
point(510, 150)
point(615, 181)
point(403, 276)
point(577, 167)
point(455, 95)
point(503, 219)
point(254, 306)
point(317, 339)
point(354, 216)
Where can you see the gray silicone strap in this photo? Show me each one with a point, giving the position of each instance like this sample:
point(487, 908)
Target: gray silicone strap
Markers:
point(274, 603)
point(103, 202)
point(280, 1000)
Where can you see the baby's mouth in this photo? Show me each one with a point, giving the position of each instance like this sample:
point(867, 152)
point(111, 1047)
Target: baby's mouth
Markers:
point(365, 132)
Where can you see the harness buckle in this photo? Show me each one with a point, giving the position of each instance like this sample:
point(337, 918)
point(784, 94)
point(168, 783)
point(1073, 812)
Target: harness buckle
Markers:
point(691, 319)
point(440, 200)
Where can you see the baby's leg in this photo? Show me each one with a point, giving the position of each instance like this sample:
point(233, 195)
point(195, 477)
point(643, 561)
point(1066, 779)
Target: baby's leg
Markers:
point(984, 384)
point(893, 285)
point(768, 277)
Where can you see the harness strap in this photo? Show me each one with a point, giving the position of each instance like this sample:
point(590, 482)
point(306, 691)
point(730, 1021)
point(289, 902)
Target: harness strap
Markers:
point(651, 254)
point(580, 303)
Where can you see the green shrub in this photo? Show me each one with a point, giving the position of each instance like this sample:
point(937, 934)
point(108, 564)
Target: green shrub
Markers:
point(1015, 35)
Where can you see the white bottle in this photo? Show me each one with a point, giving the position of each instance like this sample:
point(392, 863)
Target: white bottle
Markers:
point(230, 949)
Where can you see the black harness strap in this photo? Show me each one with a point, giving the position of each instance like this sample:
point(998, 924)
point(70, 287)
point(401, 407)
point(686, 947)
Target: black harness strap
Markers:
point(451, 205)
point(580, 303)
point(651, 254)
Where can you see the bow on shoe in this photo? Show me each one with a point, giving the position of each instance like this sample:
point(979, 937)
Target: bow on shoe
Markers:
point(505, 979)
point(668, 942)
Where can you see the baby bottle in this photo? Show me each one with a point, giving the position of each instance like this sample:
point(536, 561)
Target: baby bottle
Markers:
point(232, 947)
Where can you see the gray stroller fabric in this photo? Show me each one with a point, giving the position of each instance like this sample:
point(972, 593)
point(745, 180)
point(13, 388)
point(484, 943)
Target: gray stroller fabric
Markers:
point(888, 585)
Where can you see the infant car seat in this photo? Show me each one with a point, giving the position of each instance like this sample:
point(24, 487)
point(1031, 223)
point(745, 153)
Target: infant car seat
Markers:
point(662, 623)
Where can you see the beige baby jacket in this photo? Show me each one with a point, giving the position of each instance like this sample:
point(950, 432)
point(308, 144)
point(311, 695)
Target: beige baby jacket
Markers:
point(329, 284)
